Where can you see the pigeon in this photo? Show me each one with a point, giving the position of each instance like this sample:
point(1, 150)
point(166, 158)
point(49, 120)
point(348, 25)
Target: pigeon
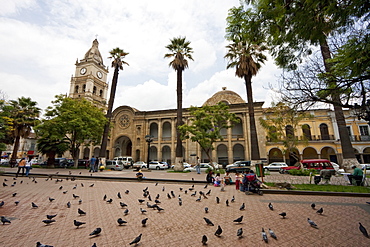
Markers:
point(68, 204)
point(233, 199)
point(127, 191)
point(47, 222)
point(168, 196)
point(65, 192)
point(156, 184)
point(91, 185)
point(2, 203)
point(78, 223)
point(313, 205)
point(180, 203)
point(163, 188)
point(157, 196)
point(122, 204)
point(194, 194)
point(320, 211)
point(143, 211)
point(199, 199)
point(136, 240)
point(96, 232)
point(120, 221)
point(143, 222)
point(272, 234)
point(239, 220)
point(208, 193)
point(264, 236)
point(51, 216)
point(5, 220)
point(104, 197)
point(61, 187)
point(206, 186)
point(283, 214)
point(119, 195)
point(239, 233)
point(361, 227)
point(172, 193)
point(208, 221)
point(217, 200)
point(38, 244)
point(82, 185)
point(204, 240)
point(218, 231)
point(270, 206)
point(16, 203)
point(81, 212)
point(80, 201)
point(227, 202)
point(242, 207)
point(159, 209)
point(75, 196)
point(313, 224)
point(4, 184)
point(14, 194)
point(206, 210)
point(51, 199)
point(110, 200)
point(141, 200)
point(149, 198)
point(34, 205)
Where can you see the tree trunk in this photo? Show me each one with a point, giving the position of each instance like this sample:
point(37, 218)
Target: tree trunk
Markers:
point(103, 147)
point(13, 160)
point(255, 153)
point(178, 161)
point(348, 153)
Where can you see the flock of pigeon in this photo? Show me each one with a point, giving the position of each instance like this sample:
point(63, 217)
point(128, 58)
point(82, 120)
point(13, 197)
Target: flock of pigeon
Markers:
point(148, 203)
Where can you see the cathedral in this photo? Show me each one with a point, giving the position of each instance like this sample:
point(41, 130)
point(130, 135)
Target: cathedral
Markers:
point(130, 127)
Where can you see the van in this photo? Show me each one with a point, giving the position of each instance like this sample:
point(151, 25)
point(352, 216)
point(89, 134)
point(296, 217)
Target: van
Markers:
point(126, 161)
point(115, 165)
point(317, 164)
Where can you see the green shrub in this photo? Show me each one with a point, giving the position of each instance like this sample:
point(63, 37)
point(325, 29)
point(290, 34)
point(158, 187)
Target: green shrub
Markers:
point(302, 172)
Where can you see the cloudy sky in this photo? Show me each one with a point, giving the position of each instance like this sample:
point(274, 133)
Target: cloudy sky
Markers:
point(41, 40)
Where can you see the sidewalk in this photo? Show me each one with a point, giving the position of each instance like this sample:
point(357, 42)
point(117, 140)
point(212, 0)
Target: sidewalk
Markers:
point(175, 225)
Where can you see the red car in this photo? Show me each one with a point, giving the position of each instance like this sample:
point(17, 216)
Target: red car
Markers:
point(317, 164)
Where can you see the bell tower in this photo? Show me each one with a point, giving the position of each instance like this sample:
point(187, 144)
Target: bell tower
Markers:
point(90, 80)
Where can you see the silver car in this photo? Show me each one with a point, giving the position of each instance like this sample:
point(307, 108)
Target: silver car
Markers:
point(115, 165)
point(275, 166)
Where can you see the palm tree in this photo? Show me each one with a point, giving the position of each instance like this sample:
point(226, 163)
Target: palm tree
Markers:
point(117, 55)
point(179, 51)
point(247, 59)
point(24, 115)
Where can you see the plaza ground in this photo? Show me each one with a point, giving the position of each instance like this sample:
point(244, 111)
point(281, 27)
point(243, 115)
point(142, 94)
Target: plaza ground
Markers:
point(175, 225)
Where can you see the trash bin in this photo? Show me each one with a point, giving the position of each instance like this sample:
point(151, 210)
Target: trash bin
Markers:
point(259, 170)
point(317, 179)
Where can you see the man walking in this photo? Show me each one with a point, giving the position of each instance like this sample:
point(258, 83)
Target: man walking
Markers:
point(92, 164)
point(197, 167)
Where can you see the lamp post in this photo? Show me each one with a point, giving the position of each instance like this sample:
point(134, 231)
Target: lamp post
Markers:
point(363, 111)
point(148, 139)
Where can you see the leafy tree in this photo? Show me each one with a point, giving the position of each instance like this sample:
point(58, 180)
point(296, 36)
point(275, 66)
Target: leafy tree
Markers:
point(205, 125)
point(293, 28)
point(180, 51)
point(73, 121)
point(277, 118)
point(117, 55)
point(23, 115)
point(5, 126)
point(246, 56)
point(52, 147)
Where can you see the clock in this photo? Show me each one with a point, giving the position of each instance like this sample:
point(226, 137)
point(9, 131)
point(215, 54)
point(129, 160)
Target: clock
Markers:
point(124, 121)
point(83, 71)
point(99, 74)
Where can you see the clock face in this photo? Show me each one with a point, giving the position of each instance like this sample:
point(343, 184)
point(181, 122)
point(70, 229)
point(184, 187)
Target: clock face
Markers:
point(124, 121)
point(99, 74)
point(83, 71)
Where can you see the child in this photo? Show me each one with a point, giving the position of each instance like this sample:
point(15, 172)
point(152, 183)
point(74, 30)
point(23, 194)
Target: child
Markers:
point(237, 181)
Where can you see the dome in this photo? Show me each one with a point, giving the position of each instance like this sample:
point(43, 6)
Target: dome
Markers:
point(94, 53)
point(226, 96)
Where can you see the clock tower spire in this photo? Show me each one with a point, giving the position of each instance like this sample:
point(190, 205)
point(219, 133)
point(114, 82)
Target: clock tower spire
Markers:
point(90, 79)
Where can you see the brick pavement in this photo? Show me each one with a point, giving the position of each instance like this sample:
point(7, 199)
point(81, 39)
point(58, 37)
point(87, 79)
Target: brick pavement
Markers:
point(176, 225)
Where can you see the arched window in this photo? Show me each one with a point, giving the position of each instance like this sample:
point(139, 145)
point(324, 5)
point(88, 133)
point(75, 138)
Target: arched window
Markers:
point(324, 131)
point(306, 132)
point(84, 88)
point(101, 93)
point(76, 89)
point(94, 90)
point(289, 132)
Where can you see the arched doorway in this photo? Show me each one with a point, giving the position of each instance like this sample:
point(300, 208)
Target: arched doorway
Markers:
point(122, 147)
point(275, 155)
point(166, 154)
point(86, 154)
point(310, 153)
point(238, 152)
point(222, 156)
point(329, 153)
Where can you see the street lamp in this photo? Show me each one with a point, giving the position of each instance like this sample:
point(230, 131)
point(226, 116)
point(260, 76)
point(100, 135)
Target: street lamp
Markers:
point(363, 111)
point(148, 139)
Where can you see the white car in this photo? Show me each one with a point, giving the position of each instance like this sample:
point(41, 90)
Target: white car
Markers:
point(157, 165)
point(366, 168)
point(139, 165)
point(275, 166)
point(203, 168)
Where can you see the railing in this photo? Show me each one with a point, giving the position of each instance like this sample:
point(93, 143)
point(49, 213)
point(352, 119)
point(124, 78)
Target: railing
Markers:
point(357, 138)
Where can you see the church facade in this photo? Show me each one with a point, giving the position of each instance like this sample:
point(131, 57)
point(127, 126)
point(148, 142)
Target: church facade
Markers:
point(130, 126)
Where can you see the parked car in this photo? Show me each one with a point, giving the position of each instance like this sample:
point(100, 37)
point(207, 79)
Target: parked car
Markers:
point(139, 165)
point(184, 164)
point(203, 167)
point(83, 163)
point(317, 164)
point(115, 165)
point(157, 165)
point(337, 168)
point(126, 160)
point(239, 166)
point(275, 166)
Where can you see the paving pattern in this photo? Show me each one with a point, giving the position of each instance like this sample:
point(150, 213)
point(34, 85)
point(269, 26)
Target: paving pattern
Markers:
point(175, 225)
